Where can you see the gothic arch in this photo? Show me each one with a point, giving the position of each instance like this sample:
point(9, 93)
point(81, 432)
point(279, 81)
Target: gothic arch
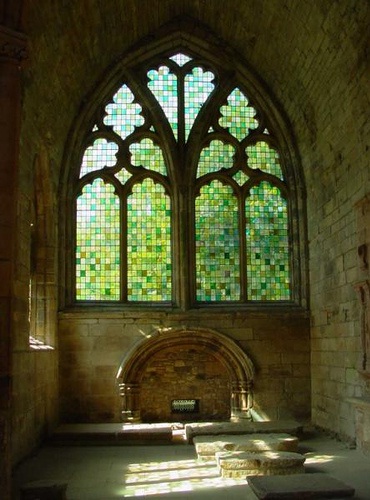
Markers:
point(239, 368)
point(197, 40)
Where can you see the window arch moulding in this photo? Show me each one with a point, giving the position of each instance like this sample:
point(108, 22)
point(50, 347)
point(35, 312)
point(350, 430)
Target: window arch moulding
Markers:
point(182, 186)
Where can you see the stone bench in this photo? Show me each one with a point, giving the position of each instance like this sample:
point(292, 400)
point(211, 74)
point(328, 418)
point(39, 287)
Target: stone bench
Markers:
point(243, 427)
point(207, 446)
point(240, 464)
point(296, 487)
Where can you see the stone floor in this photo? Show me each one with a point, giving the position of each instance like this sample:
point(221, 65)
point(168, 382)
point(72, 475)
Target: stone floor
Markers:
point(172, 471)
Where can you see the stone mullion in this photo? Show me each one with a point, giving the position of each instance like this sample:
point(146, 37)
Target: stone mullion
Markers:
point(12, 51)
point(184, 243)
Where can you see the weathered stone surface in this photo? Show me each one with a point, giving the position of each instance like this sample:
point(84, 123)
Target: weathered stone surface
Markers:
point(299, 486)
point(267, 463)
point(207, 446)
point(242, 427)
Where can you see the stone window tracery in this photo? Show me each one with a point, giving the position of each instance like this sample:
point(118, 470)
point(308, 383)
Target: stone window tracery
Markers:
point(182, 196)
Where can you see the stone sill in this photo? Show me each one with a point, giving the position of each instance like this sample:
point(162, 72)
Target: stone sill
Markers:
point(212, 312)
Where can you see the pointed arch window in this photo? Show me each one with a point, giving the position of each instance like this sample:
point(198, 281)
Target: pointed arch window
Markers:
point(181, 195)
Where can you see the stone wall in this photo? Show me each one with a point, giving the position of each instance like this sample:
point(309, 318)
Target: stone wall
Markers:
point(333, 138)
point(92, 347)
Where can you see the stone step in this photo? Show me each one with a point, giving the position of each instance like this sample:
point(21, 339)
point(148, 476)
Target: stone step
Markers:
point(207, 446)
point(299, 486)
point(240, 464)
point(241, 427)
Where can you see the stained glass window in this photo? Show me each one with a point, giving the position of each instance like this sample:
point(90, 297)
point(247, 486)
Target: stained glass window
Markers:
point(181, 192)
point(198, 86)
point(163, 84)
point(123, 114)
point(147, 154)
point(97, 243)
point(217, 244)
point(264, 157)
point(101, 154)
point(238, 116)
point(214, 157)
point(149, 243)
point(267, 244)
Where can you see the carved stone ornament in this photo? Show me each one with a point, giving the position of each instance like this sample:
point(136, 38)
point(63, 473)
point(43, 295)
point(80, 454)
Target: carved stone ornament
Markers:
point(12, 44)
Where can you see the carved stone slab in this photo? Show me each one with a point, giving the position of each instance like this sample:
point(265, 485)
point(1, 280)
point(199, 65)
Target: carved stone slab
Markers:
point(240, 464)
point(299, 486)
point(207, 446)
point(242, 427)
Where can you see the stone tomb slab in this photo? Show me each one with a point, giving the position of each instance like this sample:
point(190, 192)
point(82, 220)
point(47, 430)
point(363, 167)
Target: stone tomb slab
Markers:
point(207, 446)
point(299, 487)
point(241, 427)
point(240, 464)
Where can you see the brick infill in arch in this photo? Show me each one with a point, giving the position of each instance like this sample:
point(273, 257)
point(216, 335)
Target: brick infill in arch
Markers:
point(184, 375)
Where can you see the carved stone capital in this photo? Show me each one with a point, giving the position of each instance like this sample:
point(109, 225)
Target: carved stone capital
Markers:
point(12, 45)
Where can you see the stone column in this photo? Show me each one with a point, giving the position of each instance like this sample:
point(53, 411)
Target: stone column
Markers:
point(130, 393)
point(12, 51)
point(240, 400)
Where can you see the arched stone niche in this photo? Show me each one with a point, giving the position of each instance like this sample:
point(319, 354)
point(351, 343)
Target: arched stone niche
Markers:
point(179, 366)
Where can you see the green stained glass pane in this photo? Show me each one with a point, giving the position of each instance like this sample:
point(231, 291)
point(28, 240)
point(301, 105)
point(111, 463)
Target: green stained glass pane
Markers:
point(163, 85)
point(218, 155)
point(238, 116)
point(264, 157)
point(197, 87)
point(97, 243)
point(268, 270)
point(123, 176)
point(217, 244)
point(240, 177)
point(148, 155)
point(123, 114)
point(180, 59)
point(149, 267)
point(101, 154)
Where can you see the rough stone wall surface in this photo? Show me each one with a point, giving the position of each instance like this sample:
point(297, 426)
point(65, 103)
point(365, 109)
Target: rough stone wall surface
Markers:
point(92, 349)
point(334, 146)
point(35, 393)
point(185, 373)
